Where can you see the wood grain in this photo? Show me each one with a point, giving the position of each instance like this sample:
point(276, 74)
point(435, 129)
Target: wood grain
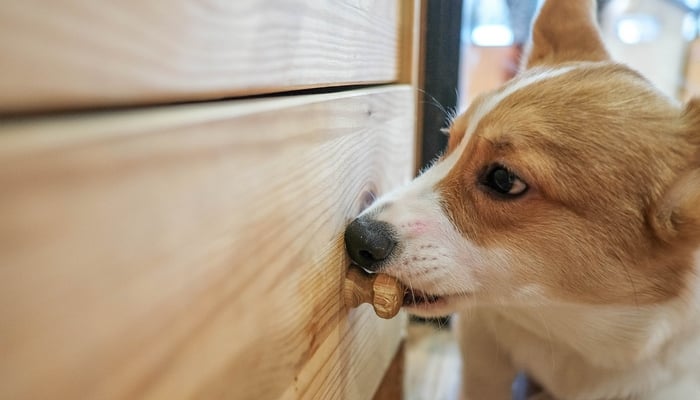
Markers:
point(195, 251)
point(691, 83)
point(410, 37)
point(412, 61)
point(63, 54)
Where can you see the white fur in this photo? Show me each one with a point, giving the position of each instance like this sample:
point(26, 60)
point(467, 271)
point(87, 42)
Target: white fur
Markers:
point(604, 352)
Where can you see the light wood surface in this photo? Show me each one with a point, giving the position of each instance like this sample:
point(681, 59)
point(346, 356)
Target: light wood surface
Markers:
point(411, 34)
point(412, 55)
point(691, 83)
point(195, 251)
point(62, 54)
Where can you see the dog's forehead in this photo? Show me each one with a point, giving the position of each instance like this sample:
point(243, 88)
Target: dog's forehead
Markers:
point(468, 123)
point(599, 122)
point(544, 99)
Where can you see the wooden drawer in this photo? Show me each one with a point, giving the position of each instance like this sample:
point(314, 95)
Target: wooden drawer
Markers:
point(76, 53)
point(194, 251)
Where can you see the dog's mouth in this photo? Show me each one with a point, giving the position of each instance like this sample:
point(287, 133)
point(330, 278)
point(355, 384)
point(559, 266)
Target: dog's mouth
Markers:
point(417, 298)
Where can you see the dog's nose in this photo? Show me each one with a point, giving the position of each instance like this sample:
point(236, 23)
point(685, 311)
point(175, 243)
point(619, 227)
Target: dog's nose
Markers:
point(369, 242)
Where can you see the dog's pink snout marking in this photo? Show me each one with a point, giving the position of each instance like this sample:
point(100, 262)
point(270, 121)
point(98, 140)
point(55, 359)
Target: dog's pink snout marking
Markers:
point(417, 228)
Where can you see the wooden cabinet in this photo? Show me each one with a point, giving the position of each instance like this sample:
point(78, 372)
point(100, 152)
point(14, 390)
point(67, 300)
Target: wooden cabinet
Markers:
point(194, 250)
point(77, 53)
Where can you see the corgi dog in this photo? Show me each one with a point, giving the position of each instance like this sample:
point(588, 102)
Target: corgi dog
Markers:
point(561, 225)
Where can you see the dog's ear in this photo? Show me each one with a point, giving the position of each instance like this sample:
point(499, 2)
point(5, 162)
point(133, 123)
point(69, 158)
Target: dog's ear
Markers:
point(565, 30)
point(677, 217)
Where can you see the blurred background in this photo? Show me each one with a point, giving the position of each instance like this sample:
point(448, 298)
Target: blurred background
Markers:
point(656, 37)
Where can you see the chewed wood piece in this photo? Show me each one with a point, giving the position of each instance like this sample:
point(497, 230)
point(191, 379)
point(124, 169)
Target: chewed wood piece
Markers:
point(383, 292)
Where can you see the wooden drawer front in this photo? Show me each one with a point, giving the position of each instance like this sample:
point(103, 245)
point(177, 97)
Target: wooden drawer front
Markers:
point(194, 251)
point(78, 53)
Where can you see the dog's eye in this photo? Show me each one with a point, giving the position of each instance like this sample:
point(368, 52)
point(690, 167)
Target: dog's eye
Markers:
point(502, 181)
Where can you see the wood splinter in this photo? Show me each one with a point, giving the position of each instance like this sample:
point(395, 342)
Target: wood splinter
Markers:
point(383, 292)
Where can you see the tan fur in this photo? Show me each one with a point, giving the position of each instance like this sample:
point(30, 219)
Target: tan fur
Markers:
point(569, 34)
point(623, 148)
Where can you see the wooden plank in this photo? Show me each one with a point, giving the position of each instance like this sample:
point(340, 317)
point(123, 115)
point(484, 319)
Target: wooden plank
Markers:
point(194, 251)
point(410, 36)
point(412, 60)
point(691, 84)
point(63, 54)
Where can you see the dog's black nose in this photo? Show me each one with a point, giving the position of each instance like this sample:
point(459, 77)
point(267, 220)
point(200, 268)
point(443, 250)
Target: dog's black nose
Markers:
point(369, 241)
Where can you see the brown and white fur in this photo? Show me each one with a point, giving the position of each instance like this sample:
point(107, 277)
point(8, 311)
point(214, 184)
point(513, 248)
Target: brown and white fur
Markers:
point(588, 279)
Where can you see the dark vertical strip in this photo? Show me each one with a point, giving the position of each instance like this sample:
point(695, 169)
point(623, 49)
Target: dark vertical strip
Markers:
point(442, 47)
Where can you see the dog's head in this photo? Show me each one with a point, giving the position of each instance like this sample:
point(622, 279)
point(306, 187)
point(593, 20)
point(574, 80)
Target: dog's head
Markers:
point(577, 181)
